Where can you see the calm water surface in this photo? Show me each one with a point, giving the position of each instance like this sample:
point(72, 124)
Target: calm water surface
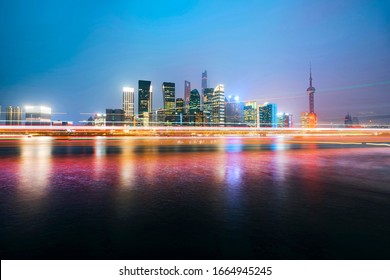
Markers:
point(194, 198)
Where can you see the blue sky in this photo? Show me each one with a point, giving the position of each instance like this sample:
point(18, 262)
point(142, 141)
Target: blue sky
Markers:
point(76, 57)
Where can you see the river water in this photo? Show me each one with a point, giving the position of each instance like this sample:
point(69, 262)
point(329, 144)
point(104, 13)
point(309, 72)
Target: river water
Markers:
point(194, 198)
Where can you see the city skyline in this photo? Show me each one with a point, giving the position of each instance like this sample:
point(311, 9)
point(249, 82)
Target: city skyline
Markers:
point(258, 51)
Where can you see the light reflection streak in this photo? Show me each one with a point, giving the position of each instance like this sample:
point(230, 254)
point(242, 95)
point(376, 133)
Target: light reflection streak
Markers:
point(127, 163)
point(35, 167)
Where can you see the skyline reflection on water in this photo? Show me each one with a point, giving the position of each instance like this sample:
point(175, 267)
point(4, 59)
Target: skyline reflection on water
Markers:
point(240, 198)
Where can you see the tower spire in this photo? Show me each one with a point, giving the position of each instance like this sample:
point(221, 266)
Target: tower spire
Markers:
point(310, 76)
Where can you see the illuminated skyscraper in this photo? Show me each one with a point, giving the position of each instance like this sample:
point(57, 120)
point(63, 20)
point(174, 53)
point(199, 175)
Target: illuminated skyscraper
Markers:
point(207, 104)
point(168, 90)
point(128, 104)
point(250, 113)
point(284, 119)
point(194, 105)
point(179, 105)
point(234, 111)
point(204, 80)
point(267, 115)
point(187, 92)
point(179, 110)
point(144, 97)
point(218, 106)
point(13, 115)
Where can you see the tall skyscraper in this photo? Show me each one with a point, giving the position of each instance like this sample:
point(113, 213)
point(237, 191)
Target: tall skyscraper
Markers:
point(168, 90)
point(218, 106)
point(267, 115)
point(204, 80)
point(13, 115)
point(250, 113)
point(194, 105)
point(179, 105)
point(144, 97)
point(179, 110)
point(207, 105)
point(234, 111)
point(187, 92)
point(128, 104)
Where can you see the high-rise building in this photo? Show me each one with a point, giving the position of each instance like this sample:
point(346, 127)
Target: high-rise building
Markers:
point(204, 80)
point(115, 117)
point(267, 115)
point(207, 105)
point(179, 110)
point(234, 111)
point(187, 92)
point(144, 97)
point(284, 119)
point(218, 106)
point(38, 115)
point(168, 90)
point(128, 104)
point(194, 105)
point(179, 105)
point(13, 115)
point(250, 113)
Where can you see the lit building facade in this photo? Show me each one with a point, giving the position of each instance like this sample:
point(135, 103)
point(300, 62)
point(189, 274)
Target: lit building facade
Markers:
point(218, 106)
point(207, 105)
point(284, 120)
point(13, 115)
point(250, 113)
point(99, 120)
point(37, 115)
point(128, 104)
point(267, 115)
point(168, 90)
point(144, 97)
point(179, 111)
point(194, 106)
point(234, 111)
point(187, 93)
point(115, 117)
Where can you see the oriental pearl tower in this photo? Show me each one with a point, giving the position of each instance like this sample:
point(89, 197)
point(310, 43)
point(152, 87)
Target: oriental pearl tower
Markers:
point(310, 91)
point(312, 117)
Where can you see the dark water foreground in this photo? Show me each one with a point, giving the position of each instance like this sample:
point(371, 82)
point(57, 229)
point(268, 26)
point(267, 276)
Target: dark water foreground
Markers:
point(217, 198)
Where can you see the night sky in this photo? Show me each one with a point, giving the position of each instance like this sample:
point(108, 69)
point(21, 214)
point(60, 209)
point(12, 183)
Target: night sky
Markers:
point(76, 56)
